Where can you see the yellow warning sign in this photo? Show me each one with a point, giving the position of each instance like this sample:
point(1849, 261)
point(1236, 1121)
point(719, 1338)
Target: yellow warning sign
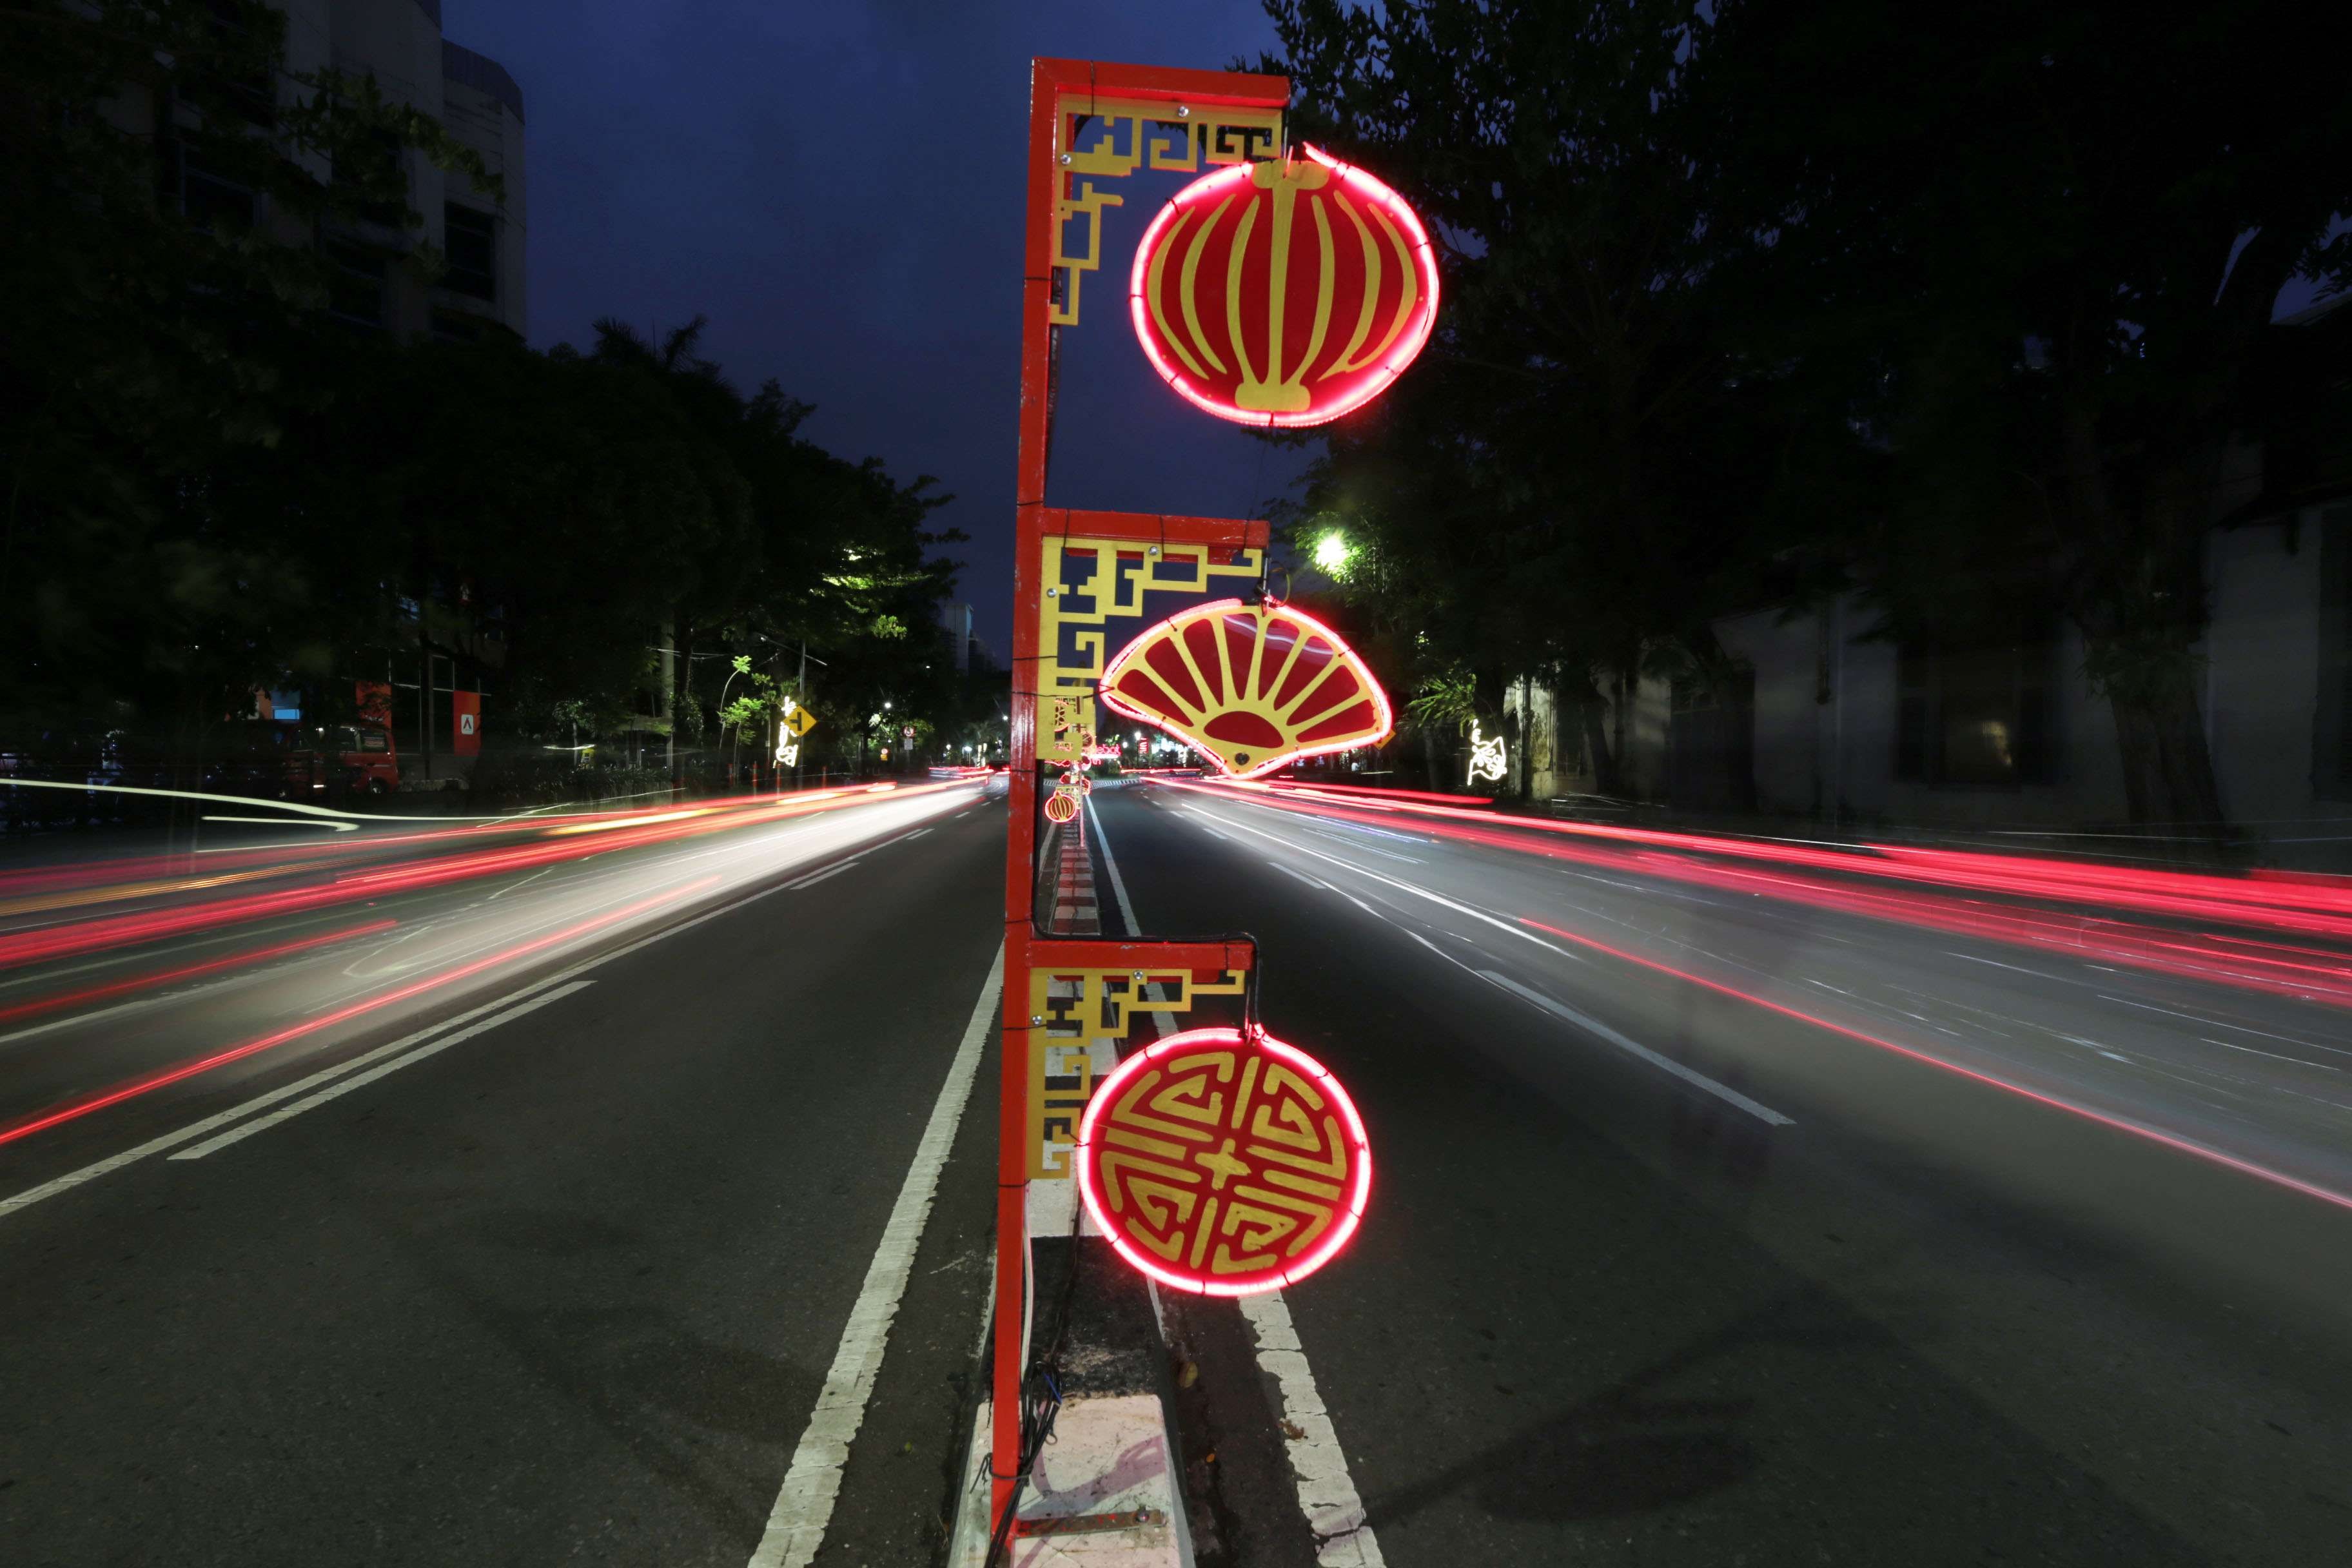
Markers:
point(797, 719)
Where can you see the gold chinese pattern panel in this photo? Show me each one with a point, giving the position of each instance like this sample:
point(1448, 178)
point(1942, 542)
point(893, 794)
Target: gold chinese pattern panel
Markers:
point(1085, 583)
point(1112, 138)
point(1222, 1166)
point(1078, 1006)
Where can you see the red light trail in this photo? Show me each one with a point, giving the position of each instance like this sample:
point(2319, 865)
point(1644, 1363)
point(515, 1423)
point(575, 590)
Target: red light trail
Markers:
point(153, 1081)
point(2309, 974)
point(2118, 1123)
point(636, 830)
point(188, 972)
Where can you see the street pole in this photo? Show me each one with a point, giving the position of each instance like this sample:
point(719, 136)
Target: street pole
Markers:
point(1058, 89)
point(800, 695)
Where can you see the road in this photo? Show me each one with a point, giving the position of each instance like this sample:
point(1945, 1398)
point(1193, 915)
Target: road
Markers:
point(513, 1191)
point(1713, 1228)
point(529, 1232)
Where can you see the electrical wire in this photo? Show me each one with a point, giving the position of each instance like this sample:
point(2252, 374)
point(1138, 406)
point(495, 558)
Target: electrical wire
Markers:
point(1041, 1385)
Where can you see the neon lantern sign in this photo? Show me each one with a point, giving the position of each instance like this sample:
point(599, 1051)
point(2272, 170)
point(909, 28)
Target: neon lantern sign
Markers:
point(1224, 1162)
point(1284, 293)
point(1485, 757)
point(1251, 686)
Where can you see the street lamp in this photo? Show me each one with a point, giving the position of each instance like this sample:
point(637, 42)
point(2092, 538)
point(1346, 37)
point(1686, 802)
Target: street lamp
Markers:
point(1332, 555)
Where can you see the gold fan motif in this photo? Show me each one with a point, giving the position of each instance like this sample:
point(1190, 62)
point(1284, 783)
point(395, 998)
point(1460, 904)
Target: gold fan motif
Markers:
point(1251, 686)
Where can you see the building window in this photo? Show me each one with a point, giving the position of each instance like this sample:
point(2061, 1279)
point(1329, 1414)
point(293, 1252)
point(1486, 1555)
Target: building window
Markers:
point(459, 327)
point(250, 94)
point(210, 201)
point(355, 284)
point(1979, 716)
point(380, 166)
point(472, 244)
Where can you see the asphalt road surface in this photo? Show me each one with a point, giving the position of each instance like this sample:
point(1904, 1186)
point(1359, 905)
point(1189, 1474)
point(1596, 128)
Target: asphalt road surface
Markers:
point(562, 1284)
point(1712, 1227)
point(507, 1193)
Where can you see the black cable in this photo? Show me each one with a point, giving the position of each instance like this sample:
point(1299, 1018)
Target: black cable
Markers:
point(1041, 1402)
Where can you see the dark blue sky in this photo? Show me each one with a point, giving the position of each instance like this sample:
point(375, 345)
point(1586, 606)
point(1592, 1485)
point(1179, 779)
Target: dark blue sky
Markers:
point(838, 186)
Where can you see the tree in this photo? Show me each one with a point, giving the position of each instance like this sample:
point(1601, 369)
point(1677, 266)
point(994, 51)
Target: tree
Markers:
point(2036, 249)
point(146, 340)
point(1579, 470)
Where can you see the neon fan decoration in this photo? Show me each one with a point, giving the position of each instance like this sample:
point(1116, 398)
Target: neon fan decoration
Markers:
point(1252, 687)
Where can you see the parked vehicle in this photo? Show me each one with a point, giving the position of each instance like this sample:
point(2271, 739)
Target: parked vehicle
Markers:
point(365, 759)
point(281, 760)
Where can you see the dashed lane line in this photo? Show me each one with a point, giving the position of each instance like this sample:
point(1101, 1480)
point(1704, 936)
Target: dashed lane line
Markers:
point(821, 876)
point(1601, 1031)
point(1416, 891)
point(1310, 881)
point(1319, 1466)
point(383, 1070)
point(197, 1130)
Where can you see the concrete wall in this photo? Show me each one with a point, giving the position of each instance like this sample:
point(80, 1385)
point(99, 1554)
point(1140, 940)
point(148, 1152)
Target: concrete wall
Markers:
point(1816, 682)
point(2262, 670)
point(399, 42)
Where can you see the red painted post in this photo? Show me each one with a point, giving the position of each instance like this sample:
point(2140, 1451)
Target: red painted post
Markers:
point(1021, 836)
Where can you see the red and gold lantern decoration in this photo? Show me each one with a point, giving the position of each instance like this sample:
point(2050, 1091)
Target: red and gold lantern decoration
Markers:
point(1284, 293)
point(1224, 1162)
point(1251, 686)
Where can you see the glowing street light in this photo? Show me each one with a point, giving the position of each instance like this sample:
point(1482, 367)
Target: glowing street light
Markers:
point(1333, 555)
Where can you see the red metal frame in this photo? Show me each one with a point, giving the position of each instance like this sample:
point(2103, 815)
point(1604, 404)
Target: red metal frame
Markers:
point(1049, 79)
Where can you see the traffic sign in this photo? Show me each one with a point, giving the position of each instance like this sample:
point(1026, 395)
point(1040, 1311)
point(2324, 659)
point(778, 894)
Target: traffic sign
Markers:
point(797, 719)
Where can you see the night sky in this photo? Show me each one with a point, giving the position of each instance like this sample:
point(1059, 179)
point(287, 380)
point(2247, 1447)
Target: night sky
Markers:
point(838, 186)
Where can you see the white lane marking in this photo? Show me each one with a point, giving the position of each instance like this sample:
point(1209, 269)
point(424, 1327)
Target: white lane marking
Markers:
point(510, 887)
point(1335, 1512)
point(1382, 832)
point(1369, 849)
point(2274, 1056)
point(821, 876)
point(150, 954)
point(113, 1163)
point(1319, 1466)
point(1310, 881)
point(916, 833)
point(72, 1179)
point(2014, 968)
point(1419, 892)
point(1165, 1021)
point(1203, 818)
point(385, 1069)
point(2095, 1046)
point(2225, 1024)
point(804, 1502)
point(141, 1003)
point(1594, 1027)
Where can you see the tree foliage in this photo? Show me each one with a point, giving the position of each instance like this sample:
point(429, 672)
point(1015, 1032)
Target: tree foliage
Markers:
point(211, 484)
point(1754, 300)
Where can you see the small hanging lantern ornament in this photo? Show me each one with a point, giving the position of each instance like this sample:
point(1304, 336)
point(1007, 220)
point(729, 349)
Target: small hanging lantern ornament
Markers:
point(1284, 293)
